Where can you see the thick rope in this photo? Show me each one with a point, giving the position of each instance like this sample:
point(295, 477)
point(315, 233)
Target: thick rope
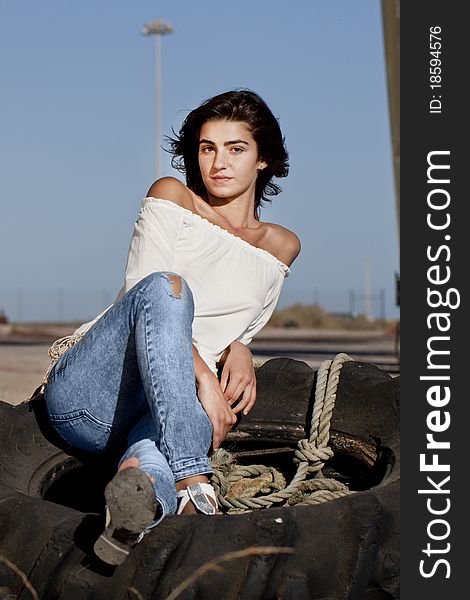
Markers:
point(55, 352)
point(310, 457)
point(58, 348)
point(61, 345)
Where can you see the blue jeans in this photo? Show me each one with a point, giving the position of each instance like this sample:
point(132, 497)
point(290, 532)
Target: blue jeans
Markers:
point(130, 383)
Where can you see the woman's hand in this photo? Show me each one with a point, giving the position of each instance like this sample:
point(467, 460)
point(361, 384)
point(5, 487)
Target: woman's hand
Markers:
point(220, 414)
point(213, 401)
point(238, 379)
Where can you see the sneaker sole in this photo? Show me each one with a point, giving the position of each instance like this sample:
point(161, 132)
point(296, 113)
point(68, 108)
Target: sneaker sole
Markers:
point(130, 500)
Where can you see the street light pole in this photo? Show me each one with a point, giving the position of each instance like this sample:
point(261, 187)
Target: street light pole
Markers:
point(158, 103)
point(157, 28)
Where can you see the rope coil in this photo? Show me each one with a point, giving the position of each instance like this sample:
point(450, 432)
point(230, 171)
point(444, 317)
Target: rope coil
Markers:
point(58, 348)
point(310, 456)
point(61, 345)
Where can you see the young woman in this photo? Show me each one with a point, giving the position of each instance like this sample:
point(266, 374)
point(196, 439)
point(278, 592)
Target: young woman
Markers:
point(203, 277)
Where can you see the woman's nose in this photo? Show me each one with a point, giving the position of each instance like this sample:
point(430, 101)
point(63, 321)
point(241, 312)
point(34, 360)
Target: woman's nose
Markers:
point(220, 160)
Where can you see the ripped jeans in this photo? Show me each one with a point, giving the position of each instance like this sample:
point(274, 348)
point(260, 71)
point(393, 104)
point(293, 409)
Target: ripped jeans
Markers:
point(130, 382)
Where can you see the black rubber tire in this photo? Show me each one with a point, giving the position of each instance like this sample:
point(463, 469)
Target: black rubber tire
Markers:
point(31, 464)
point(27, 458)
point(344, 549)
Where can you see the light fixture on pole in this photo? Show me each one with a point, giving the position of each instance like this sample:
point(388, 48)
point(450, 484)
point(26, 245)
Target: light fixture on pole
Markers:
point(157, 28)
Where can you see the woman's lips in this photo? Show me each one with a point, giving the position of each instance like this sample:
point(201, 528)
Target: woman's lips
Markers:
point(221, 179)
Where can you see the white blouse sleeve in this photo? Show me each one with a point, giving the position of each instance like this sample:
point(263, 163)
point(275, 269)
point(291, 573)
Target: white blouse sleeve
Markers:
point(260, 321)
point(153, 243)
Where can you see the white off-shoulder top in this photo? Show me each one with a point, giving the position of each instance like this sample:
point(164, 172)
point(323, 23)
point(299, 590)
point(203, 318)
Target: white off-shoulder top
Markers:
point(235, 285)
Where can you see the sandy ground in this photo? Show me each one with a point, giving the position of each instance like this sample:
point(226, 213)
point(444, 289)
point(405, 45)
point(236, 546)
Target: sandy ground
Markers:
point(21, 371)
point(24, 358)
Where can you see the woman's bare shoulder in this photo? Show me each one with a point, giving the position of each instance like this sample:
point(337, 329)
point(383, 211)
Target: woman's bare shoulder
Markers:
point(170, 188)
point(283, 243)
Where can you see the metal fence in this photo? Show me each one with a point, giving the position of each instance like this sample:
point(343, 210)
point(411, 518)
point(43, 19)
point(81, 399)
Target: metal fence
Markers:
point(62, 305)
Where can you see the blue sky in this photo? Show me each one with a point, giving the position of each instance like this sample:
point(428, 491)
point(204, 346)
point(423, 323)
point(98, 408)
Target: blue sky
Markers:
point(77, 139)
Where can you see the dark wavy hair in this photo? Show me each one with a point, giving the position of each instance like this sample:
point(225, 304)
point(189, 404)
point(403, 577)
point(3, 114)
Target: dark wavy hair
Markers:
point(243, 106)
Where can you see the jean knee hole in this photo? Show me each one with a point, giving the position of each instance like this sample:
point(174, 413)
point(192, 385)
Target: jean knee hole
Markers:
point(176, 286)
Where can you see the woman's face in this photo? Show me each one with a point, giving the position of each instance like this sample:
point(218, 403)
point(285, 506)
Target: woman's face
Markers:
point(228, 159)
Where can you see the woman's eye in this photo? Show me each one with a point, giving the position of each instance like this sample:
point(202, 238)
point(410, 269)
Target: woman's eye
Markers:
point(206, 149)
point(237, 149)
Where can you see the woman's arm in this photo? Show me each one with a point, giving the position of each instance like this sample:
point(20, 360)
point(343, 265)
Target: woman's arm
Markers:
point(213, 401)
point(238, 379)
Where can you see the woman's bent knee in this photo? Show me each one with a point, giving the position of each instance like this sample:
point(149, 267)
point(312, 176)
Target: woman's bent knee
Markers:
point(172, 283)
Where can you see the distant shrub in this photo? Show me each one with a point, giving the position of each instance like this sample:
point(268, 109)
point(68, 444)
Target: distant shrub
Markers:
point(315, 317)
